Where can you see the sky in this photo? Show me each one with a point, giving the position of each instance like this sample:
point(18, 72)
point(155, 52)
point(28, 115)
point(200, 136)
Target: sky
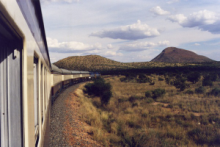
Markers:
point(131, 30)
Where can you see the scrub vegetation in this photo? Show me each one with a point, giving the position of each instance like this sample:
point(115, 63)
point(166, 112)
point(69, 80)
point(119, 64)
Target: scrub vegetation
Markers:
point(156, 109)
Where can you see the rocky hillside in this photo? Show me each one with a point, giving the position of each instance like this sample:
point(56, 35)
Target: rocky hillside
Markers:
point(90, 62)
point(176, 55)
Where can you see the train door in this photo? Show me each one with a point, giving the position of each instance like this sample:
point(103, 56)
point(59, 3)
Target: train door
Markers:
point(10, 86)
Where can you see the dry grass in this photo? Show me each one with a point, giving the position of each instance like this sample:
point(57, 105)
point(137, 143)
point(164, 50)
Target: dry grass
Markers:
point(176, 119)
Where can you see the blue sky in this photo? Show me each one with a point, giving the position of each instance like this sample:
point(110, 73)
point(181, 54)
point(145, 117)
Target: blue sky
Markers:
point(131, 31)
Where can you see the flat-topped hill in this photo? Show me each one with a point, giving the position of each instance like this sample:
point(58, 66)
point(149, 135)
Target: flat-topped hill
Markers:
point(177, 55)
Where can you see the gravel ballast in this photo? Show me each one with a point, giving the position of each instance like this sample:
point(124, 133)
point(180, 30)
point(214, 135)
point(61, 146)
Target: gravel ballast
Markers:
point(66, 128)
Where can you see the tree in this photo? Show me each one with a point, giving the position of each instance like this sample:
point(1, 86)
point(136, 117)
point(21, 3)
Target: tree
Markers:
point(207, 81)
point(194, 77)
point(158, 93)
point(180, 83)
point(99, 88)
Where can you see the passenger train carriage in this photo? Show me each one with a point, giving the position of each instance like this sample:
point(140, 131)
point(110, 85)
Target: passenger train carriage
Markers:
point(29, 83)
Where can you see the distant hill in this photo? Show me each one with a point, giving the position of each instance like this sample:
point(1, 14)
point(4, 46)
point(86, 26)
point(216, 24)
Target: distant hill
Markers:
point(176, 55)
point(169, 57)
point(99, 63)
point(90, 62)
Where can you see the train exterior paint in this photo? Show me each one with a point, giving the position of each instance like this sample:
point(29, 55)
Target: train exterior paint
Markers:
point(28, 81)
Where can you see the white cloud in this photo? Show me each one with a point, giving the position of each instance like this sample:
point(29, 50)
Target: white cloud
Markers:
point(111, 53)
point(140, 46)
point(109, 46)
point(70, 47)
point(129, 32)
point(180, 18)
point(204, 20)
point(60, 49)
point(159, 11)
point(196, 44)
point(172, 1)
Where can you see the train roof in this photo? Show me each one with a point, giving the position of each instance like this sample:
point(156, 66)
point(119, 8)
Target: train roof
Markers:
point(65, 71)
point(75, 72)
point(85, 72)
point(55, 69)
point(31, 10)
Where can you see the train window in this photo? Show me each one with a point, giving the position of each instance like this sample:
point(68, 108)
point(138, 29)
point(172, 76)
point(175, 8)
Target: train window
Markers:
point(36, 100)
point(45, 88)
point(42, 93)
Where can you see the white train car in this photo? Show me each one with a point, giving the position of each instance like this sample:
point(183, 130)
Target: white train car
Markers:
point(28, 81)
point(24, 75)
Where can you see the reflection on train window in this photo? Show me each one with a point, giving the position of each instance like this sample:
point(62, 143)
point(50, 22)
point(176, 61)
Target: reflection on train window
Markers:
point(36, 100)
point(42, 93)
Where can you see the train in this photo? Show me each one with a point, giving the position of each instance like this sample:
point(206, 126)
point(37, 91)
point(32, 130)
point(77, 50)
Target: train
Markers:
point(29, 82)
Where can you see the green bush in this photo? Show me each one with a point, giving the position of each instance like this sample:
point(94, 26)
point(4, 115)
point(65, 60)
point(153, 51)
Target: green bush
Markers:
point(215, 92)
point(152, 82)
point(207, 81)
point(148, 94)
point(194, 77)
point(180, 83)
point(88, 88)
point(106, 97)
point(142, 78)
point(99, 88)
point(158, 93)
point(167, 80)
point(128, 77)
point(189, 92)
point(123, 79)
point(160, 79)
point(200, 90)
point(149, 100)
point(205, 135)
point(213, 76)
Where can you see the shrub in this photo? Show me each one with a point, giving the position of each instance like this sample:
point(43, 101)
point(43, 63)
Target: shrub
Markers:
point(215, 92)
point(88, 88)
point(189, 92)
point(207, 81)
point(160, 79)
point(99, 88)
point(131, 76)
point(158, 93)
point(205, 135)
point(123, 79)
point(200, 90)
point(132, 99)
point(180, 83)
point(106, 97)
point(141, 76)
point(194, 77)
point(213, 76)
point(167, 80)
point(135, 140)
point(152, 82)
point(128, 77)
point(149, 100)
point(148, 94)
